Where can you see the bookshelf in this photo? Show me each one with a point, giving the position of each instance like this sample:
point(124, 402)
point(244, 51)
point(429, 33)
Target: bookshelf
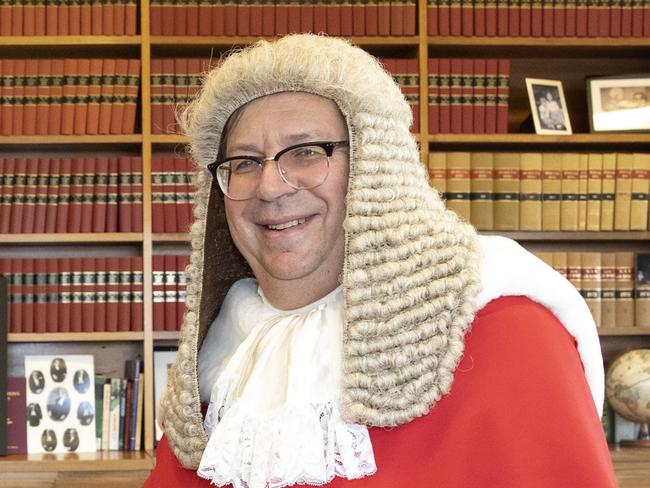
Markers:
point(570, 59)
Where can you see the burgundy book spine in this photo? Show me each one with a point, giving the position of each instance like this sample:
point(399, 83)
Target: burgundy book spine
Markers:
point(101, 278)
point(170, 292)
point(94, 94)
point(15, 267)
point(491, 77)
point(136, 194)
point(76, 292)
point(130, 18)
point(503, 95)
point(112, 189)
point(268, 18)
point(593, 18)
point(29, 209)
point(615, 19)
point(169, 195)
point(243, 18)
point(491, 17)
point(182, 193)
point(88, 293)
point(40, 203)
point(193, 18)
point(570, 19)
point(88, 194)
point(181, 264)
point(76, 195)
point(28, 295)
point(626, 19)
point(157, 122)
point(137, 294)
point(155, 18)
point(18, 195)
point(132, 87)
point(637, 18)
point(18, 93)
point(85, 18)
point(16, 416)
point(27, 20)
point(372, 21)
point(119, 95)
point(17, 19)
point(124, 305)
point(282, 19)
point(455, 94)
point(524, 18)
point(31, 97)
point(547, 18)
point(43, 96)
point(396, 18)
point(53, 297)
point(359, 18)
point(559, 19)
point(581, 18)
point(64, 195)
point(82, 93)
point(502, 17)
point(157, 208)
point(467, 12)
point(6, 192)
point(167, 94)
point(56, 98)
point(536, 18)
point(604, 20)
point(333, 19)
point(65, 294)
point(445, 96)
point(96, 18)
point(70, 81)
point(479, 18)
point(6, 18)
point(108, 17)
point(345, 11)
point(112, 293)
point(433, 94)
point(478, 94)
point(158, 291)
point(230, 18)
point(383, 18)
point(7, 93)
point(40, 295)
point(100, 194)
point(205, 18)
point(256, 28)
point(646, 19)
point(124, 209)
point(52, 195)
point(106, 97)
point(467, 102)
point(412, 91)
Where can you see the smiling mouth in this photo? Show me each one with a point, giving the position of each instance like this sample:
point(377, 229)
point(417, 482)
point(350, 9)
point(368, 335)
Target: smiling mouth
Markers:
point(286, 225)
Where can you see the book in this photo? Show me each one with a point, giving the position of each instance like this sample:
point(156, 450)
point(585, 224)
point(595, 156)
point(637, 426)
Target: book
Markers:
point(482, 190)
point(591, 282)
point(608, 192)
point(570, 188)
point(458, 184)
point(552, 190)
point(4, 385)
point(608, 290)
point(594, 191)
point(13, 436)
point(624, 289)
point(623, 197)
point(642, 290)
point(530, 203)
point(506, 190)
point(640, 192)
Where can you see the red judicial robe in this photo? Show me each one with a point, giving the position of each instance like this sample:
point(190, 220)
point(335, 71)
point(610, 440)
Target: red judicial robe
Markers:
point(519, 414)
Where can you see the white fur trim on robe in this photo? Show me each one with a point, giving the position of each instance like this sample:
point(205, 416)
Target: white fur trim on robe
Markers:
point(509, 269)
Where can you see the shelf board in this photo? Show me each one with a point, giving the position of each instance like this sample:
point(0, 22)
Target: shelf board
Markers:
point(600, 139)
point(76, 337)
point(624, 331)
point(226, 41)
point(70, 40)
point(169, 139)
point(83, 461)
point(86, 139)
point(572, 236)
point(541, 42)
point(163, 335)
point(63, 238)
point(179, 237)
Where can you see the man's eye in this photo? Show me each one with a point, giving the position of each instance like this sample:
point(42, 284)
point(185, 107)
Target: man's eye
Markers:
point(243, 166)
point(307, 152)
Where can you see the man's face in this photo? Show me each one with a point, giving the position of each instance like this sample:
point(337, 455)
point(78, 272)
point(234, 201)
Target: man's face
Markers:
point(284, 233)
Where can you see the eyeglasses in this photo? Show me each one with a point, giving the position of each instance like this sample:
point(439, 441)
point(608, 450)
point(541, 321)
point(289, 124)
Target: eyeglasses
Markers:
point(302, 166)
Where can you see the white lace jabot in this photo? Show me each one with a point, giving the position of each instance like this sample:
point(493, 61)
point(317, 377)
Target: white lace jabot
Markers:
point(274, 376)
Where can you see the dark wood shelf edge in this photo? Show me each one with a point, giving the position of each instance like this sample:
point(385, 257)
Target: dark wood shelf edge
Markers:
point(64, 238)
point(75, 462)
point(552, 236)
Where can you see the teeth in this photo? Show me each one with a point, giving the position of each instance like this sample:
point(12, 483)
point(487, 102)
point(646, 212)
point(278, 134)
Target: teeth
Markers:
point(286, 225)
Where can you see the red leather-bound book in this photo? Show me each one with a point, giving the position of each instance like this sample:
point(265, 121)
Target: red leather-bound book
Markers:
point(94, 95)
point(112, 293)
point(604, 19)
point(615, 19)
point(467, 102)
point(281, 25)
point(397, 17)
point(444, 97)
point(40, 295)
point(100, 194)
point(119, 95)
point(76, 293)
point(19, 181)
point(193, 18)
point(108, 17)
point(40, 203)
point(101, 278)
point(88, 194)
point(637, 17)
point(137, 294)
point(14, 269)
point(136, 194)
point(170, 180)
point(293, 17)
point(455, 18)
point(646, 19)
point(157, 205)
point(359, 18)
point(28, 295)
point(256, 18)
point(63, 21)
point(65, 294)
point(491, 17)
point(28, 19)
point(347, 20)
point(455, 94)
point(112, 195)
point(167, 95)
point(7, 93)
point(593, 18)
point(56, 98)
point(125, 211)
point(29, 199)
point(157, 122)
point(372, 20)
point(218, 19)
point(43, 93)
point(64, 195)
point(383, 18)
point(52, 306)
point(155, 17)
point(18, 94)
point(132, 88)
point(536, 18)
point(125, 287)
point(70, 80)
point(40, 18)
point(491, 78)
point(76, 195)
point(548, 22)
point(320, 16)
point(306, 17)
point(52, 195)
point(626, 19)
point(570, 19)
point(17, 19)
point(85, 18)
point(158, 291)
point(130, 17)
point(243, 17)
point(230, 15)
point(514, 18)
point(82, 95)
point(333, 13)
point(182, 193)
point(106, 97)
point(31, 97)
point(205, 18)
point(581, 18)
point(6, 18)
point(74, 18)
point(171, 292)
point(503, 94)
point(413, 69)
point(51, 19)
point(478, 10)
point(478, 95)
point(88, 293)
point(268, 18)
point(96, 18)
point(6, 184)
point(524, 18)
point(433, 95)
point(181, 264)
point(467, 20)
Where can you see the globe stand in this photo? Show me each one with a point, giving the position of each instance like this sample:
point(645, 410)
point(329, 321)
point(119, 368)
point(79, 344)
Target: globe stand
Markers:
point(642, 440)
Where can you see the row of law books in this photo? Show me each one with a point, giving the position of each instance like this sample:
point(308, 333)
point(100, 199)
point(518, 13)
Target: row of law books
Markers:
point(615, 285)
point(174, 82)
point(171, 193)
point(169, 291)
point(119, 404)
point(280, 17)
point(68, 18)
point(468, 96)
point(548, 18)
point(81, 194)
point(75, 294)
point(549, 191)
point(405, 72)
point(72, 96)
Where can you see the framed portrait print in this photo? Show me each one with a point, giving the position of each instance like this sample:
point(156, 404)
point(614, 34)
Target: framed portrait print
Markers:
point(548, 106)
point(619, 103)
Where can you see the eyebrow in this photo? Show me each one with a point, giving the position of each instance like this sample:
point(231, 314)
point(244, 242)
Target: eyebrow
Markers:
point(288, 140)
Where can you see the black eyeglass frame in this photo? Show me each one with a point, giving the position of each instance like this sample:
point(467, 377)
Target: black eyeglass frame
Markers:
point(327, 146)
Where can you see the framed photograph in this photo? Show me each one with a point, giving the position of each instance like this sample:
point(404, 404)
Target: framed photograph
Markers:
point(619, 103)
point(163, 358)
point(548, 106)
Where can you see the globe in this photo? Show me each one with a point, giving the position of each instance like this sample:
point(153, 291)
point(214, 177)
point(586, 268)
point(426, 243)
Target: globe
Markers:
point(627, 387)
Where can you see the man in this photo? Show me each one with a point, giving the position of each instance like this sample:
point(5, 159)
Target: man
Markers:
point(345, 361)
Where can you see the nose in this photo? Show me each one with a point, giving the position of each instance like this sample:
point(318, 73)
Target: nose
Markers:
point(271, 185)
